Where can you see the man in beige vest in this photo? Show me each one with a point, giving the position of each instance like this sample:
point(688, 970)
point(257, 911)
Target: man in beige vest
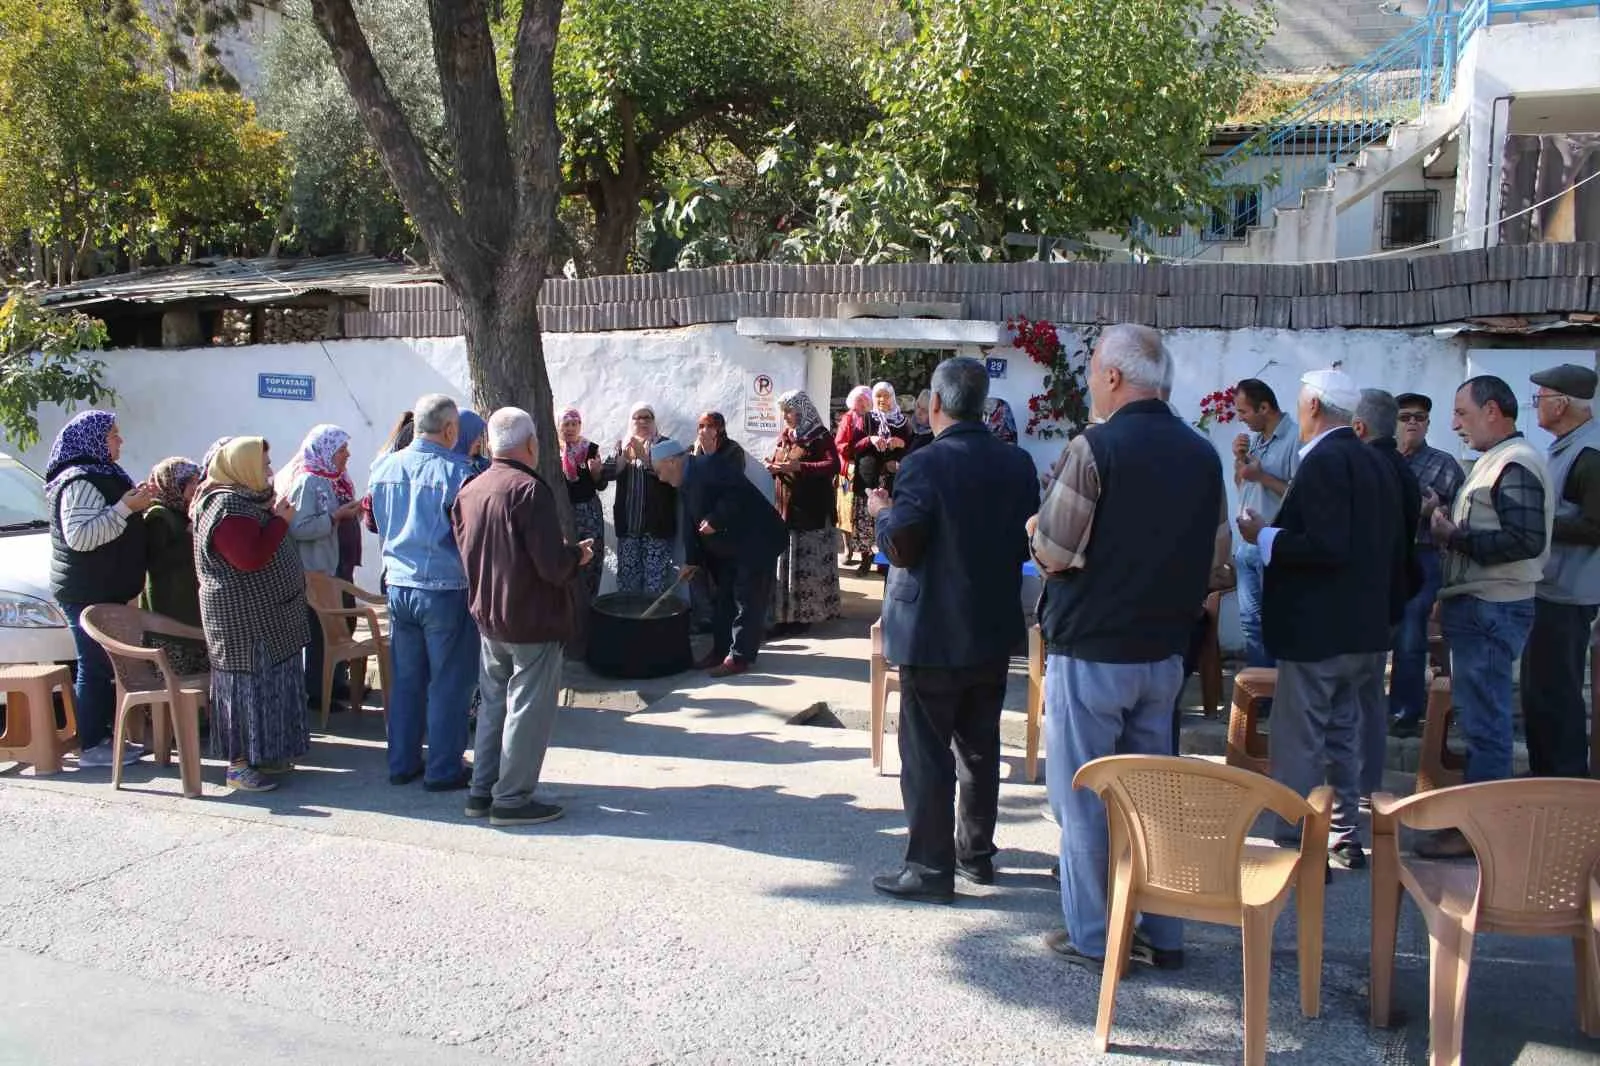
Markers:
point(1495, 540)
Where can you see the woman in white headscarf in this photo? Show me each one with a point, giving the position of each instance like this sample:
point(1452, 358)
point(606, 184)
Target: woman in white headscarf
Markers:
point(326, 529)
point(645, 514)
point(802, 469)
point(878, 449)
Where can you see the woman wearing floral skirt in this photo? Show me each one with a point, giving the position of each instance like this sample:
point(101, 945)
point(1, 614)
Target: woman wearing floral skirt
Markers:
point(645, 514)
point(252, 606)
point(803, 468)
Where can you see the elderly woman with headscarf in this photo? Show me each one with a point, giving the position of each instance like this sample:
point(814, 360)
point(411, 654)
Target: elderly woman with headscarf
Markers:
point(998, 417)
point(878, 449)
point(253, 609)
point(326, 529)
point(645, 514)
point(97, 556)
point(586, 479)
point(921, 428)
point(803, 468)
point(853, 425)
point(171, 587)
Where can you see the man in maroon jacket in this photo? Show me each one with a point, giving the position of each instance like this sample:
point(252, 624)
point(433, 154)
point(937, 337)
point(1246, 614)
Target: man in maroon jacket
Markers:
point(520, 572)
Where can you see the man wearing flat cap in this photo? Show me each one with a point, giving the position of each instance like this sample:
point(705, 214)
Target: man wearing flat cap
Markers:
point(1439, 477)
point(1330, 559)
point(1565, 600)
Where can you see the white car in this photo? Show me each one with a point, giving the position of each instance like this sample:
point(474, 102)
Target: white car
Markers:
point(32, 627)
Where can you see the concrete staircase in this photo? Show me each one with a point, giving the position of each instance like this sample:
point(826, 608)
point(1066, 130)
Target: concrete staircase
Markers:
point(1306, 228)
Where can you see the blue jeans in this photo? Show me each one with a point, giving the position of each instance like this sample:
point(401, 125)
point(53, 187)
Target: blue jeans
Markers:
point(1485, 639)
point(94, 690)
point(1408, 690)
point(434, 648)
point(1093, 710)
point(1247, 564)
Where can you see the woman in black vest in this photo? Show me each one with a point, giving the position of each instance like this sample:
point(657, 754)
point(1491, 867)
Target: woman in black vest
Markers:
point(97, 556)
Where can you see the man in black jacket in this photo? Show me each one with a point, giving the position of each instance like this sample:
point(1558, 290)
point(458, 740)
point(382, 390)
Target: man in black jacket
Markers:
point(952, 611)
point(1329, 562)
point(735, 533)
point(1377, 421)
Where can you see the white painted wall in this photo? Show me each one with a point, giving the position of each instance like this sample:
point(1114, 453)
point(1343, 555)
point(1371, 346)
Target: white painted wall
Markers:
point(177, 402)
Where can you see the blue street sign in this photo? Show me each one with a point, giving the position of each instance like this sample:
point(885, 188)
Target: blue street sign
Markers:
point(997, 367)
point(286, 387)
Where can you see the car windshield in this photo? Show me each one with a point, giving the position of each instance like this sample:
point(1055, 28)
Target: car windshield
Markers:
point(22, 502)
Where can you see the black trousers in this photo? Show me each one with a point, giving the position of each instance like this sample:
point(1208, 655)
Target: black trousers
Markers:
point(740, 592)
point(1553, 710)
point(949, 732)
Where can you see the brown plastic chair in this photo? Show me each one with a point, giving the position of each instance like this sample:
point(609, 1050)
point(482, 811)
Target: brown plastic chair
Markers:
point(339, 644)
point(1247, 748)
point(1594, 711)
point(31, 735)
point(1439, 765)
point(1035, 701)
point(1537, 842)
point(1177, 847)
point(145, 679)
point(1209, 665)
point(883, 679)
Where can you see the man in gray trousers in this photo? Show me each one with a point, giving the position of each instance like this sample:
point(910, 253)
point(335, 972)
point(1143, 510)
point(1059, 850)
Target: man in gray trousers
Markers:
point(520, 574)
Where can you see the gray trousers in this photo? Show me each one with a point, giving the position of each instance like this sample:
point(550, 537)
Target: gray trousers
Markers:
point(1374, 726)
point(1316, 735)
point(519, 684)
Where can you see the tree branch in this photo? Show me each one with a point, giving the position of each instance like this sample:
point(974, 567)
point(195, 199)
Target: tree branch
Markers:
point(420, 189)
point(474, 118)
point(535, 139)
point(748, 100)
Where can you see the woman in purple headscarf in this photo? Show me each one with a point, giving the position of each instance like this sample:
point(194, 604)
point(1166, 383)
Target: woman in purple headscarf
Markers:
point(97, 556)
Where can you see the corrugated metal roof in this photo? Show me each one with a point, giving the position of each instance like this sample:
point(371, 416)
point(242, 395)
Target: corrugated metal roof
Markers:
point(243, 281)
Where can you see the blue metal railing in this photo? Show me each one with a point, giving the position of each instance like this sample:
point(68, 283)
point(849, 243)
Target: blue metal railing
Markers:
point(1354, 111)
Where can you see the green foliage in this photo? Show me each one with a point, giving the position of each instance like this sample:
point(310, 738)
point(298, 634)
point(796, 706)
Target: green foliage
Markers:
point(1058, 117)
point(340, 198)
point(42, 360)
point(100, 160)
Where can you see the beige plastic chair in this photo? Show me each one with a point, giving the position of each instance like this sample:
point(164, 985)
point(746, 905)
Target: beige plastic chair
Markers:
point(370, 639)
point(1537, 873)
point(1178, 848)
point(883, 679)
point(145, 679)
point(1035, 701)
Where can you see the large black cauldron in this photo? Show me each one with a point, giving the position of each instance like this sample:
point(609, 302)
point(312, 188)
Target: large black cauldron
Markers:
point(624, 644)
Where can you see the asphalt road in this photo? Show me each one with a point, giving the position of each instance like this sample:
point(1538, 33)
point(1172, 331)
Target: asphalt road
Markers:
point(705, 901)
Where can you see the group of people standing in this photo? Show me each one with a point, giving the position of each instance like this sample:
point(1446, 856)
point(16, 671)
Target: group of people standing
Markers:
point(1351, 527)
point(216, 545)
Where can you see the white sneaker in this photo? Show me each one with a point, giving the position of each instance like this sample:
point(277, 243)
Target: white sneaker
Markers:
point(99, 756)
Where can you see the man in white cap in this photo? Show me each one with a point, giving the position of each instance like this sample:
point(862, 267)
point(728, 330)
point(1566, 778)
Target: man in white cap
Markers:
point(1329, 560)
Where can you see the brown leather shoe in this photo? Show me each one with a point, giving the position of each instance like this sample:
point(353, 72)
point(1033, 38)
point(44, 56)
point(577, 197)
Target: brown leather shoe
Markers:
point(730, 667)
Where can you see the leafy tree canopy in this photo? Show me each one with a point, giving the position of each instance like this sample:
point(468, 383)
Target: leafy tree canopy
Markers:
point(43, 360)
point(102, 165)
point(1058, 117)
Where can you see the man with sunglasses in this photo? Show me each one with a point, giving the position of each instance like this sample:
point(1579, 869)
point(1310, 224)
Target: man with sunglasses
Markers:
point(1439, 476)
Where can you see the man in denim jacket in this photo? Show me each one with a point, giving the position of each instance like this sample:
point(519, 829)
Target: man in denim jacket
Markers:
point(433, 640)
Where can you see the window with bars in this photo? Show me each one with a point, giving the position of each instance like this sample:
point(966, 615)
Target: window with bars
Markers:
point(1410, 218)
point(1231, 221)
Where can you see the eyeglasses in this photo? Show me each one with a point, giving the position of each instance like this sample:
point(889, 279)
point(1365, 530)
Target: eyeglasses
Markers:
point(1414, 416)
point(1539, 397)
